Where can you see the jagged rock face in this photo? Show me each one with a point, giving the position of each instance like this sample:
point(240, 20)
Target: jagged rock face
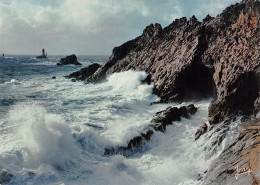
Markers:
point(85, 72)
point(71, 59)
point(168, 55)
point(191, 59)
point(235, 54)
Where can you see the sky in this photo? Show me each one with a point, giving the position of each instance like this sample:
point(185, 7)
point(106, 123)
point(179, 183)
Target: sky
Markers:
point(89, 27)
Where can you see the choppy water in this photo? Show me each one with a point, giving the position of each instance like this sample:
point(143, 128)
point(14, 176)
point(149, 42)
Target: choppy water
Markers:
point(54, 131)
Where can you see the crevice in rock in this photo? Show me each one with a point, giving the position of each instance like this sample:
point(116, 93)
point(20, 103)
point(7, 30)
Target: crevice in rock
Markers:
point(195, 82)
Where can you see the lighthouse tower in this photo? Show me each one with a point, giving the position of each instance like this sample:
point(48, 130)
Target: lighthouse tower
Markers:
point(43, 52)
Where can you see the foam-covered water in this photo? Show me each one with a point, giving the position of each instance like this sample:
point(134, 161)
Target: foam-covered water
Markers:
point(54, 131)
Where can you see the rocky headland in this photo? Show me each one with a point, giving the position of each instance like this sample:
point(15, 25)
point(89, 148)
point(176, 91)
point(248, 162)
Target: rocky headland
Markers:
point(218, 57)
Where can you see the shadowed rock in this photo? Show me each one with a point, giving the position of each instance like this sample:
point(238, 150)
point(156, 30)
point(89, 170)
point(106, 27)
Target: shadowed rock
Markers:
point(85, 72)
point(201, 131)
point(158, 123)
point(71, 59)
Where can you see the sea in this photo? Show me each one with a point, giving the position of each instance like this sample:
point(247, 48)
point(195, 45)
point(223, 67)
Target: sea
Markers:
point(55, 131)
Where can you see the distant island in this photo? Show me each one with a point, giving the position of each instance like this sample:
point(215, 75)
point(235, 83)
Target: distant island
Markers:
point(43, 54)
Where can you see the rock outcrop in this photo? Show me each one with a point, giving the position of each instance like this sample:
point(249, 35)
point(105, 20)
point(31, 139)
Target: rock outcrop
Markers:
point(158, 123)
point(71, 59)
point(189, 59)
point(84, 73)
point(201, 131)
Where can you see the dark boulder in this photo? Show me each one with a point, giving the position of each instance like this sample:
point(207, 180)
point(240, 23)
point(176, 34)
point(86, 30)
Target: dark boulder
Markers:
point(166, 117)
point(71, 59)
point(134, 145)
point(85, 72)
point(54, 77)
point(158, 123)
point(201, 131)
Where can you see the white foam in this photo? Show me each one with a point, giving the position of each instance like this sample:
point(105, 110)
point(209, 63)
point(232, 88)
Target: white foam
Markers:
point(55, 131)
point(43, 138)
point(12, 82)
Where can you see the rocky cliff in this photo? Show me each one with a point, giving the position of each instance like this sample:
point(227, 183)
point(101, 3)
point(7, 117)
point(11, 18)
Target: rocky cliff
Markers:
point(190, 59)
point(218, 57)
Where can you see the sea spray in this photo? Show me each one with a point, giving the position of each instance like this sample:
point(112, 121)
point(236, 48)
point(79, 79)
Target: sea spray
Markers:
point(59, 134)
point(43, 137)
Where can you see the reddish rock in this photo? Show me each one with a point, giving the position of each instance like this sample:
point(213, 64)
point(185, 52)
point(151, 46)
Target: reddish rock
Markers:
point(242, 154)
point(171, 56)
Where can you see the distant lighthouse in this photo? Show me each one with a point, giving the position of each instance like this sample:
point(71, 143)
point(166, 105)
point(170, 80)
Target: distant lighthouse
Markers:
point(43, 54)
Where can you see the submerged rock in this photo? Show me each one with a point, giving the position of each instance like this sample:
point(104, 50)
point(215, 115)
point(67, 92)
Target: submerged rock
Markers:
point(85, 72)
point(71, 59)
point(158, 123)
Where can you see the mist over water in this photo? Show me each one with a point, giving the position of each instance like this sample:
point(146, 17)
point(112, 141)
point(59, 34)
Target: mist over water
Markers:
point(54, 131)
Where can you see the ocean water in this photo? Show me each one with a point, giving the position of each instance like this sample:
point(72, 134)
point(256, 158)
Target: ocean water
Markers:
point(54, 131)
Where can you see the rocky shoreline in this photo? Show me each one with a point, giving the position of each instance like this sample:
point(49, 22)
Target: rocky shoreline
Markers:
point(158, 123)
point(218, 57)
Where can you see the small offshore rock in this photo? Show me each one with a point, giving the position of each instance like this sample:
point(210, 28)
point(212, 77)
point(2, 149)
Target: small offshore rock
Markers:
point(71, 59)
point(54, 77)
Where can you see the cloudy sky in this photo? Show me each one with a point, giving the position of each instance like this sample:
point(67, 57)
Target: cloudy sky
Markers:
point(88, 27)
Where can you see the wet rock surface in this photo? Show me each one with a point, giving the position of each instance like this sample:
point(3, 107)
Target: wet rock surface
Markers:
point(240, 158)
point(85, 72)
point(158, 123)
point(71, 59)
point(201, 131)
